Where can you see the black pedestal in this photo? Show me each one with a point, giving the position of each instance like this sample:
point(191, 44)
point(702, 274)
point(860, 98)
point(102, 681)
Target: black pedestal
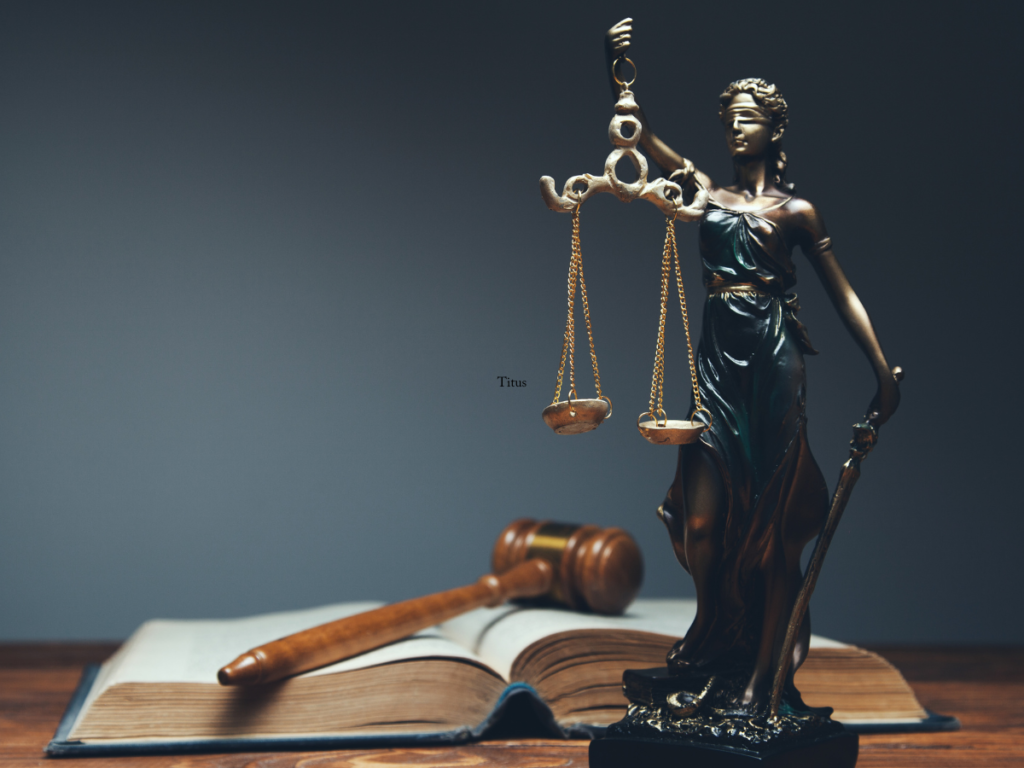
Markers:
point(690, 720)
point(837, 751)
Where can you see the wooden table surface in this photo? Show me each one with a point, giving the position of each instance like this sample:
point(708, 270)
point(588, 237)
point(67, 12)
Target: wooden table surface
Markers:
point(984, 687)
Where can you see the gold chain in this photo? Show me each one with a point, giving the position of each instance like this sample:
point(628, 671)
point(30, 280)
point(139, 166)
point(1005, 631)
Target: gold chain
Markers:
point(670, 254)
point(586, 306)
point(569, 339)
point(686, 319)
point(658, 378)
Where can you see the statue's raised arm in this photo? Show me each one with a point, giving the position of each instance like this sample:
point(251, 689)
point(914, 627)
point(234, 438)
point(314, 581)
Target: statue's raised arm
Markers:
point(673, 165)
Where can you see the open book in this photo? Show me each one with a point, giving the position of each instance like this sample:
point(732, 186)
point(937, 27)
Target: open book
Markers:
point(449, 683)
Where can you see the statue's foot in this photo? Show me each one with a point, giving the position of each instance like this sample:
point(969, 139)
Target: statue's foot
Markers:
point(692, 653)
point(791, 696)
point(677, 659)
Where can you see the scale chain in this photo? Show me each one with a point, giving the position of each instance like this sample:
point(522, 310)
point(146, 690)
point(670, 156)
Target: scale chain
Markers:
point(670, 254)
point(571, 324)
point(586, 307)
point(569, 339)
point(658, 379)
point(686, 319)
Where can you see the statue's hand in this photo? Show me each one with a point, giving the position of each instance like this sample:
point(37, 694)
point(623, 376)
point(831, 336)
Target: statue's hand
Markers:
point(619, 36)
point(886, 399)
point(682, 176)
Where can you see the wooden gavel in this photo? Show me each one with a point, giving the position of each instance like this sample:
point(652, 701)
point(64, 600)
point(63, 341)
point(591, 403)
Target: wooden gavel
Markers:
point(580, 566)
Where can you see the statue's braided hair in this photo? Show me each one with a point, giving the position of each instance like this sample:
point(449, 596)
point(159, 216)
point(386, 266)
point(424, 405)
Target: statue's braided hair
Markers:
point(768, 97)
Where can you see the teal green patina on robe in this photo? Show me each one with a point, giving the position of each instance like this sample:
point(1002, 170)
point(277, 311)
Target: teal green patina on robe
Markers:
point(750, 370)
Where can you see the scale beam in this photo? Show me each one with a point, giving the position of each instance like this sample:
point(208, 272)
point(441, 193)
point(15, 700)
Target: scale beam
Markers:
point(665, 194)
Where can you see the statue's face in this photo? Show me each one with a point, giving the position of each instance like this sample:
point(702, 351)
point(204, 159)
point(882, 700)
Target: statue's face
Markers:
point(748, 127)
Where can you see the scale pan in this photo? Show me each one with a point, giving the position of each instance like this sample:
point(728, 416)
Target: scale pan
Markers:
point(671, 432)
point(589, 415)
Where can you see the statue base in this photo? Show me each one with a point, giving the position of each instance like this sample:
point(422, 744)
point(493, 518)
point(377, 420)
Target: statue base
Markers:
point(679, 720)
point(839, 751)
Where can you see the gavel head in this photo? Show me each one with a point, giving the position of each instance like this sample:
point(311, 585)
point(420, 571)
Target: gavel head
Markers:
point(596, 569)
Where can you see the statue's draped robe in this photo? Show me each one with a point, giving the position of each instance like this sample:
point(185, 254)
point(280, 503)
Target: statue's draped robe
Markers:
point(750, 369)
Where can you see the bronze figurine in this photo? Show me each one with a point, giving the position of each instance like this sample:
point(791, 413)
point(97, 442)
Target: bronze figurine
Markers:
point(747, 496)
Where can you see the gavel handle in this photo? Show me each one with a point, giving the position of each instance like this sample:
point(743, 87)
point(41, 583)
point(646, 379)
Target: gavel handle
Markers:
point(363, 632)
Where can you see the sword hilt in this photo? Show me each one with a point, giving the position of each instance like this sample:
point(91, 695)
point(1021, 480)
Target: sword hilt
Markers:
point(865, 435)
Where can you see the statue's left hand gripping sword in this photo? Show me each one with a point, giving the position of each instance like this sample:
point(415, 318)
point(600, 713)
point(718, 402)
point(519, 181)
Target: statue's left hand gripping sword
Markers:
point(665, 194)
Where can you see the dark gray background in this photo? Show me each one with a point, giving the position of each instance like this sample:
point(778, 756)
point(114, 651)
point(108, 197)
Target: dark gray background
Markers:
point(261, 266)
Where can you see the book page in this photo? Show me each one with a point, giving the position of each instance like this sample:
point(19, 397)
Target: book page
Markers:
point(499, 635)
point(191, 651)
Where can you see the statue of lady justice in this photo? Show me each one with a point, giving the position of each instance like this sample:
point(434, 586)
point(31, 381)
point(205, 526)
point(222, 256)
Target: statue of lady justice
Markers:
point(748, 496)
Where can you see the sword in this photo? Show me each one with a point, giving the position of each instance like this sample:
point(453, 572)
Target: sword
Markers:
point(865, 435)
